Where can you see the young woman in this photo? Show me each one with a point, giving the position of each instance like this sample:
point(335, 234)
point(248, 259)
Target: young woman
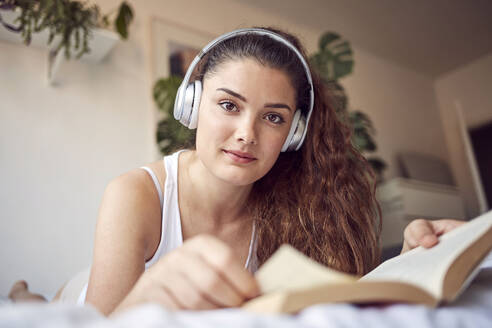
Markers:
point(227, 205)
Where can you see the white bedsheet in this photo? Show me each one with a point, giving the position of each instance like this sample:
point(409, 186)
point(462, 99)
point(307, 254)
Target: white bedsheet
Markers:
point(473, 309)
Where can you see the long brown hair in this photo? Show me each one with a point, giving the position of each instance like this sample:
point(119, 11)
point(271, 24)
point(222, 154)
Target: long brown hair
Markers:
point(320, 199)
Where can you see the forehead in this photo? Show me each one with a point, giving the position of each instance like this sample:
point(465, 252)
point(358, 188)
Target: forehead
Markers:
point(250, 76)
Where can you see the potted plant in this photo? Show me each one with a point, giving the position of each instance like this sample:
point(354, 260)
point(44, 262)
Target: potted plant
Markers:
point(332, 61)
point(171, 135)
point(69, 22)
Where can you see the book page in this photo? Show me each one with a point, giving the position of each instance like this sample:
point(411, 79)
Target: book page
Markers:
point(426, 268)
point(289, 269)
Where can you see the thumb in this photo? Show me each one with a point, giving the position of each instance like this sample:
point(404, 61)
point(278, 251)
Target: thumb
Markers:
point(420, 233)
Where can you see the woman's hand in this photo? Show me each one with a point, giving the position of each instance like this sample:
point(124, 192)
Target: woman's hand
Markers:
point(424, 233)
point(202, 274)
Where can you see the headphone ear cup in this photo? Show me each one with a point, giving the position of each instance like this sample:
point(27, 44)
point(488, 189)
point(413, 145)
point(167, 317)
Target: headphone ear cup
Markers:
point(196, 105)
point(297, 138)
point(178, 106)
point(294, 127)
point(187, 106)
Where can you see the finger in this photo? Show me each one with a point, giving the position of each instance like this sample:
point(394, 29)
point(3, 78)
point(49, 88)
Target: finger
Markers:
point(420, 232)
point(149, 290)
point(409, 238)
point(185, 294)
point(209, 282)
point(163, 296)
point(223, 260)
point(443, 226)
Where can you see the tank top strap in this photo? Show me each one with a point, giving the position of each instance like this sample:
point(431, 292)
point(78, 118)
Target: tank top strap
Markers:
point(171, 234)
point(156, 183)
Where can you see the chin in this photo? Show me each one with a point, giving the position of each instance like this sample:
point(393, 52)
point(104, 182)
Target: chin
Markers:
point(238, 179)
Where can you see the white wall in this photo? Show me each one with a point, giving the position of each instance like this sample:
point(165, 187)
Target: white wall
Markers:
point(60, 146)
point(470, 86)
point(401, 104)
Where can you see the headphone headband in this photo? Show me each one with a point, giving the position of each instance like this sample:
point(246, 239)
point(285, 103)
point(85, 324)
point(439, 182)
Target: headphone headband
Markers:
point(179, 103)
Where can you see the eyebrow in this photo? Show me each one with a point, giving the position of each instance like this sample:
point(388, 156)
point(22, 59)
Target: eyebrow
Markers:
point(268, 105)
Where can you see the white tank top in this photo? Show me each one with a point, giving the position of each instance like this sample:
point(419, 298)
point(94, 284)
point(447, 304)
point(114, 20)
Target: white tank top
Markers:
point(171, 234)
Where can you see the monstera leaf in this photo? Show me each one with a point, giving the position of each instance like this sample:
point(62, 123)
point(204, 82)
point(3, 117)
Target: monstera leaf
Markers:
point(334, 57)
point(165, 92)
point(171, 135)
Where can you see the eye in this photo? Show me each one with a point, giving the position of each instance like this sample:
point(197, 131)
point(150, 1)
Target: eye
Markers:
point(275, 118)
point(228, 106)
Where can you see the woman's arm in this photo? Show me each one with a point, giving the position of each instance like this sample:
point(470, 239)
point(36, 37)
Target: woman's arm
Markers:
point(204, 273)
point(127, 232)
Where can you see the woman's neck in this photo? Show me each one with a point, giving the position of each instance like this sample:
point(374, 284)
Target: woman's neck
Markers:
point(209, 199)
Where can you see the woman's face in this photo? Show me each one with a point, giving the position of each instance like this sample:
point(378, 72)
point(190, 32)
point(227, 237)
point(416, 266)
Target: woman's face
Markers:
point(244, 117)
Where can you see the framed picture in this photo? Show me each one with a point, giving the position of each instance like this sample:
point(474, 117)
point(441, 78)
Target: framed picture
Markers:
point(174, 46)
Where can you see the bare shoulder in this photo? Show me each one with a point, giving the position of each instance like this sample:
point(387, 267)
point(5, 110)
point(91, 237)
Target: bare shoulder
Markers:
point(132, 202)
point(139, 181)
point(135, 186)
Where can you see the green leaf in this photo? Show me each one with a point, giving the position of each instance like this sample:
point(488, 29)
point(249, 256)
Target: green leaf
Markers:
point(327, 38)
point(339, 97)
point(359, 120)
point(377, 163)
point(171, 135)
point(165, 93)
point(359, 142)
point(334, 58)
point(123, 20)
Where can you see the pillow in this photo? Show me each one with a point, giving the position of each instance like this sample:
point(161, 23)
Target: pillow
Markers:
point(425, 168)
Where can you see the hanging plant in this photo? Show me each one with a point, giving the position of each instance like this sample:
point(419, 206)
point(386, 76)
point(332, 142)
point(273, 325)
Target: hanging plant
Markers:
point(69, 20)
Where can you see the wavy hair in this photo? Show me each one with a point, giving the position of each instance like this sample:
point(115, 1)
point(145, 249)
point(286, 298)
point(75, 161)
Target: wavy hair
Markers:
point(321, 198)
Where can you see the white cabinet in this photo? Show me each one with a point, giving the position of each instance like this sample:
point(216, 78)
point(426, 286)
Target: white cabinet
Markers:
point(403, 200)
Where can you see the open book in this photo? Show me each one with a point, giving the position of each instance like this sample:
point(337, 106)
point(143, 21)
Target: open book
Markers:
point(290, 281)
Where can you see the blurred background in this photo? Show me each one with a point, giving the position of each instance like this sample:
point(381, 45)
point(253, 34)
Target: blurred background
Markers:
point(421, 75)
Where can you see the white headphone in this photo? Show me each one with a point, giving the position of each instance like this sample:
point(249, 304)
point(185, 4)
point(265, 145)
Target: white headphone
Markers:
point(188, 95)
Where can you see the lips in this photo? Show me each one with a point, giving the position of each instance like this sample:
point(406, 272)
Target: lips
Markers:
point(239, 156)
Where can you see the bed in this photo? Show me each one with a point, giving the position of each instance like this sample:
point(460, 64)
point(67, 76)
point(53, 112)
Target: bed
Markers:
point(472, 309)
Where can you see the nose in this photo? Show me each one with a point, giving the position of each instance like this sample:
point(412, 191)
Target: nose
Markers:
point(246, 130)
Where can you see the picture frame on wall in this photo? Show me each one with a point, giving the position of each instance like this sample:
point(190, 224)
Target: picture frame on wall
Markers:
point(174, 46)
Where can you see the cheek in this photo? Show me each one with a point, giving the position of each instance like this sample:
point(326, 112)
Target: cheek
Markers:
point(272, 144)
point(212, 128)
point(275, 137)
